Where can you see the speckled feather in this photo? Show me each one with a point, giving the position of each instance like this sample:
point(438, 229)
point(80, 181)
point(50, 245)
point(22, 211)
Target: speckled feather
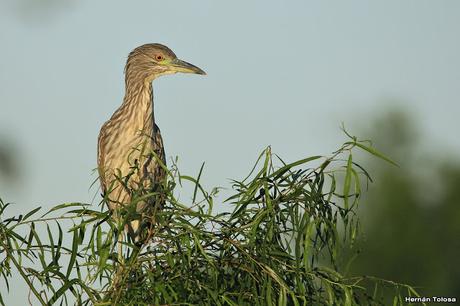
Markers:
point(131, 135)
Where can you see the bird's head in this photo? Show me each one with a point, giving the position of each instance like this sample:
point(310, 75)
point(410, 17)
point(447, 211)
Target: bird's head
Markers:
point(150, 61)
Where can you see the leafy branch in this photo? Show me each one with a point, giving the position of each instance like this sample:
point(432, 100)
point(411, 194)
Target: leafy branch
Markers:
point(277, 241)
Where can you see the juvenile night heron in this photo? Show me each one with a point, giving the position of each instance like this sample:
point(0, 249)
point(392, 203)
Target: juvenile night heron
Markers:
point(130, 147)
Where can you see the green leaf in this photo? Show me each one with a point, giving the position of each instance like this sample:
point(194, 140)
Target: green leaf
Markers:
point(347, 183)
point(65, 205)
point(375, 153)
point(73, 255)
point(62, 290)
point(30, 213)
point(287, 167)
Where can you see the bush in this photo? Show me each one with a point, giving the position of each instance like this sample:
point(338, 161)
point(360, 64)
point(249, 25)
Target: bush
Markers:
point(280, 243)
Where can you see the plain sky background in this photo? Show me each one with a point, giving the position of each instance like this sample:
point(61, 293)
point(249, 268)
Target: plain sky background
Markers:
point(280, 73)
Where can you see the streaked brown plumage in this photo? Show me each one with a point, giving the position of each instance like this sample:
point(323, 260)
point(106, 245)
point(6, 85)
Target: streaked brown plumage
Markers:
point(130, 147)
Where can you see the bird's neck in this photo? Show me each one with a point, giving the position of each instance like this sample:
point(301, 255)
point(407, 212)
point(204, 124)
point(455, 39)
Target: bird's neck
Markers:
point(138, 103)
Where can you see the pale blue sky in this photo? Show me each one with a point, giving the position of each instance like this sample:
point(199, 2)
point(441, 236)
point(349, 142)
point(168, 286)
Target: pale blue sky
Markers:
point(285, 73)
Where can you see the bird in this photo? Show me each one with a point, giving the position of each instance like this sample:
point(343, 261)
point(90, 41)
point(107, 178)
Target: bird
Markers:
point(130, 154)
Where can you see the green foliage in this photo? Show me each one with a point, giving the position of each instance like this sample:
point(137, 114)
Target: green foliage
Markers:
point(420, 245)
point(278, 244)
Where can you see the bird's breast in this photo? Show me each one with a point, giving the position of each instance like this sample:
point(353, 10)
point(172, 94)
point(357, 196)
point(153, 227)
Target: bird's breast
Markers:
point(125, 145)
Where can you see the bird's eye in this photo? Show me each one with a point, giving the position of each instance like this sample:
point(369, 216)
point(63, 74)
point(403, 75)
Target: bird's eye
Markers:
point(159, 57)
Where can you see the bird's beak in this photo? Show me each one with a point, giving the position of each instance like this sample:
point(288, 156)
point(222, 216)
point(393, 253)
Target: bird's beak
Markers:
point(178, 65)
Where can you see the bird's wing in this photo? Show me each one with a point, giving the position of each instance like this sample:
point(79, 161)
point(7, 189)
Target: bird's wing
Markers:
point(159, 150)
point(100, 157)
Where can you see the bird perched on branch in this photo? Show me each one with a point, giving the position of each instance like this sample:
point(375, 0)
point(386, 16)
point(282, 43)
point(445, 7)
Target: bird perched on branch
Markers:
point(130, 148)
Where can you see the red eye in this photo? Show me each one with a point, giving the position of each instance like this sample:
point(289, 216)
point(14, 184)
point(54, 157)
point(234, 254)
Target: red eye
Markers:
point(159, 57)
